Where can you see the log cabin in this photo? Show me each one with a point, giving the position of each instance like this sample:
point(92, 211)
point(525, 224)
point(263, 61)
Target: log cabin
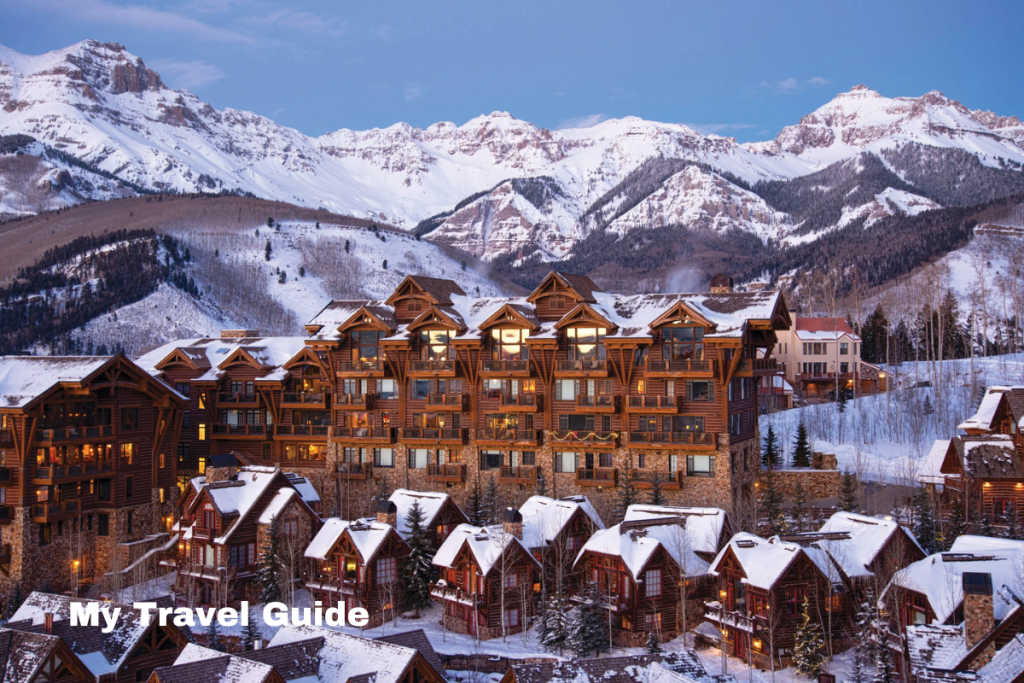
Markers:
point(129, 652)
point(488, 579)
point(226, 526)
point(87, 474)
point(761, 586)
point(359, 562)
point(652, 569)
point(555, 531)
point(40, 658)
point(440, 514)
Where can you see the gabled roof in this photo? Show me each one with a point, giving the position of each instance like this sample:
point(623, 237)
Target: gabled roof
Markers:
point(664, 668)
point(866, 537)
point(438, 290)
point(431, 503)
point(826, 329)
point(269, 354)
point(417, 640)
point(585, 313)
point(765, 561)
point(367, 535)
point(704, 526)
point(486, 544)
point(989, 456)
point(279, 502)
point(512, 313)
point(236, 498)
point(931, 468)
point(439, 315)
point(544, 517)
point(343, 657)
point(990, 402)
point(23, 654)
point(196, 663)
point(582, 285)
point(324, 325)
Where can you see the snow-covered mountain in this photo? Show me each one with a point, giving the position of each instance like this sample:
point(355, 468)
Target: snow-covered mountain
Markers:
point(495, 185)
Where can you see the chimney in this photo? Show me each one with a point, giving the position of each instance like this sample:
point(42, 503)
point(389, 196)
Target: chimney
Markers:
point(512, 523)
point(387, 513)
point(221, 467)
point(48, 623)
point(721, 283)
point(979, 619)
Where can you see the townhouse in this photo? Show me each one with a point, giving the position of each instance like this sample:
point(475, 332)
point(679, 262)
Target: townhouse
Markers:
point(816, 355)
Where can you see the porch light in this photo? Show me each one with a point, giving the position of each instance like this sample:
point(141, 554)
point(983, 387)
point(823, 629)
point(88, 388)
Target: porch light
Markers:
point(988, 484)
point(722, 594)
point(75, 563)
point(757, 644)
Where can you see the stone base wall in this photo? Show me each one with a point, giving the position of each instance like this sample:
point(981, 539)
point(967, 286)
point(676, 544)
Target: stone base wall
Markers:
point(816, 483)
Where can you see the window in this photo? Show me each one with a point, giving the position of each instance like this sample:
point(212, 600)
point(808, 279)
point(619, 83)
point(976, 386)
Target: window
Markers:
point(641, 460)
point(1003, 508)
point(700, 390)
point(844, 368)
point(202, 431)
point(565, 461)
point(574, 543)
point(45, 532)
point(387, 570)
point(528, 458)
point(510, 619)
point(915, 610)
point(129, 419)
point(585, 343)
point(383, 457)
point(686, 423)
point(186, 419)
point(682, 343)
point(420, 388)
point(128, 453)
point(304, 451)
point(418, 458)
point(490, 460)
point(794, 598)
point(700, 465)
point(509, 344)
point(268, 451)
point(511, 580)
point(844, 348)
point(184, 453)
point(128, 487)
point(183, 388)
point(834, 603)
point(758, 606)
point(652, 583)
point(647, 423)
point(435, 345)
point(387, 388)
point(103, 525)
point(161, 458)
point(103, 489)
point(364, 345)
point(652, 622)
point(290, 527)
point(566, 389)
point(556, 302)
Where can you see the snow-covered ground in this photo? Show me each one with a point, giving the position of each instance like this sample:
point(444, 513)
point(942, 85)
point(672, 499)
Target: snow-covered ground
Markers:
point(885, 437)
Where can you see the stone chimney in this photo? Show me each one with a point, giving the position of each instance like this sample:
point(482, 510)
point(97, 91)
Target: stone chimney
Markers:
point(721, 283)
point(979, 619)
point(222, 467)
point(48, 623)
point(238, 334)
point(512, 523)
point(387, 513)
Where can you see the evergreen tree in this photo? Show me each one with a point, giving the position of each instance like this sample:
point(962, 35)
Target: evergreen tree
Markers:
point(626, 495)
point(986, 526)
point(556, 626)
point(864, 650)
point(213, 640)
point(491, 505)
point(924, 522)
point(841, 401)
point(1014, 531)
point(417, 568)
point(346, 246)
point(250, 633)
point(956, 525)
point(885, 671)
point(476, 512)
point(268, 574)
point(928, 408)
point(657, 496)
point(382, 491)
point(848, 492)
point(771, 455)
point(541, 487)
point(385, 264)
point(799, 511)
point(809, 650)
point(653, 644)
point(267, 250)
point(802, 447)
point(770, 504)
point(589, 630)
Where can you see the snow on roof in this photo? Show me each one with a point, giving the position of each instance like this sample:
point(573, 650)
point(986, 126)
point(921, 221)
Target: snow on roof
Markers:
point(935, 646)
point(766, 561)
point(982, 418)
point(486, 543)
point(367, 536)
point(704, 526)
point(1007, 664)
point(938, 577)
point(209, 352)
point(430, 505)
point(24, 378)
point(276, 505)
point(237, 496)
point(197, 653)
point(336, 313)
point(931, 468)
point(636, 547)
point(344, 657)
point(867, 537)
point(306, 490)
point(544, 517)
point(22, 654)
point(200, 663)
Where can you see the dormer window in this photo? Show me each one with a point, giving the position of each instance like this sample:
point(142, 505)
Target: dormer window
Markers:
point(365, 345)
point(586, 343)
point(435, 345)
point(683, 343)
point(509, 344)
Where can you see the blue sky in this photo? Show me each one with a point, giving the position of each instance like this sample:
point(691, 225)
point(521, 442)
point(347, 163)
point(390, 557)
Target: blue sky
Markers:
point(743, 69)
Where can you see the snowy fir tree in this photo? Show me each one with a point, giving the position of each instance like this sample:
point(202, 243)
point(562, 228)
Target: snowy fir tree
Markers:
point(653, 644)
point(809, 649)
point(885, 670)
point(799, 511)
point(589, 630)
point(656, 496)
point(491, 504)
point(848, 492)
point(555, 630)
point(1013, 530)
point(771, 456)
point(476, 511)
point(801, 447)
point(928, 408)
point(924, 522)
point(250, 632)
point(541, 487)
point(772, 520)
point(213, 640)
point(841, 401)
point(417, 568)
point(268, 573)
point(626, 495)
point(956, 525)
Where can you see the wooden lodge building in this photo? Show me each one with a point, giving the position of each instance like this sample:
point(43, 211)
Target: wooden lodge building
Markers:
point(87, 469)
point(440, 514)
point(653, 566)
point(431, 389)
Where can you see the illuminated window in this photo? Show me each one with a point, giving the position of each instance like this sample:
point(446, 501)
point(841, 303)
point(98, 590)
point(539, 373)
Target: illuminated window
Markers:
point(202, 431)
point(128, 453)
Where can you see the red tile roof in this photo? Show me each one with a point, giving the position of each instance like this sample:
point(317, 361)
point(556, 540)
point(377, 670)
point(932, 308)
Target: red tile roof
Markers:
point(824, 325)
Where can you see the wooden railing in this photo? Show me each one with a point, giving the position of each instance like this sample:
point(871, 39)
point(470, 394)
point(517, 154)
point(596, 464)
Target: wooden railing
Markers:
point(302, 430)
point(454, 472)
point(359, 366)
point(506, 366)
point(765, 365)
point(531, 435)
point(239, 430)
point(584, 436)
point(601, 402)
point(583, 365)
point(524, 473)
point(356, 400)
point(356, 433)
point(681, 366)
point(646, 476)
point(654, 402)
point(5, 553)
point(46, 510)
point(458, 401)
point(433, 433)
point(68, 433)
point(520, 400)
point(303, 397)
point(242, 397)
point(55, 472)
point(598, 476)
point(6, 436)
point(355, 470)
point(431, 366)
point(680, 438)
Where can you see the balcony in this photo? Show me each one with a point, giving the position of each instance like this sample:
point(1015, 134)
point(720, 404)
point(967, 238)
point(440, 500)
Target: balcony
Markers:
point(455, 403)
point(55, 474)
point(442, 591)
point(50, 512)
point(764, 366)
point(6, 514)
point(583, 438)
point(602, 403)
point(431, 436)
point(505, 368)
point(201, 534)
point(521, 403)
point(453, 473)
point(644, 479)
point(239, 399)
point(598, 476)
point(518, 475)
point(353, 401)
point(508, 437)
point(679, 368)
point(5, 553)
point(221, 431)
point(44, 436)
point(364, 435)
point(354, 471)
point(304, 399)
point(360, 368)
point(703, 440)
point(585, 367)
point(653, 404)
point(432, 368)
point(302, 431)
